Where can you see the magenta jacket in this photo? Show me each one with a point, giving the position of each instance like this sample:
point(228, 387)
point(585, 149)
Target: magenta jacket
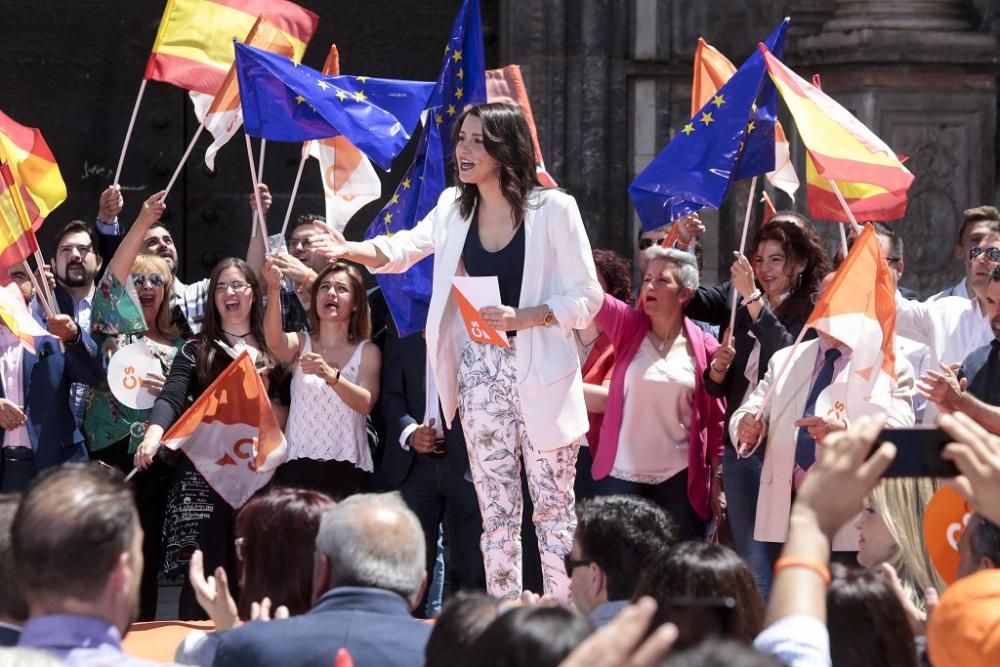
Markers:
point(626, 327)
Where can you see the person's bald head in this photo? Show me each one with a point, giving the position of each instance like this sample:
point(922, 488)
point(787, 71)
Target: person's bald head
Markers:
point(373, 540)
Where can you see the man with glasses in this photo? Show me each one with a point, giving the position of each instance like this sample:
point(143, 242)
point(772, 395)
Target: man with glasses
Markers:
point(954, 326)
point(615, 537)
point(976, 223)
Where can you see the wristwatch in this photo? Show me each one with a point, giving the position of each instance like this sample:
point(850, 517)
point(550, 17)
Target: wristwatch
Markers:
point(549, 319)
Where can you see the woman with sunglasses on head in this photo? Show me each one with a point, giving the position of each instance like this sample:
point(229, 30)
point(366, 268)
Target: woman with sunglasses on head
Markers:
point(233, 321)
point(518, 403)
point(335, 382)
point(132, 304)
point(774, 289)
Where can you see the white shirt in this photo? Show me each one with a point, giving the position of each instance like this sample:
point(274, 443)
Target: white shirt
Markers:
point(952, 327)
point(960, 288)
point(191, 300)
point(797, 641)
point(656, 419)
point(11, 364)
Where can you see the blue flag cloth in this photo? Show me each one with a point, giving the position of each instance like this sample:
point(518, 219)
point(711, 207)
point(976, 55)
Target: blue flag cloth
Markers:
point(284, 101)
point(461, 82)
point(697, 166)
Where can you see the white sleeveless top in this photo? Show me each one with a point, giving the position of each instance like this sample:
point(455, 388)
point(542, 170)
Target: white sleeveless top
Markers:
point(320, 425)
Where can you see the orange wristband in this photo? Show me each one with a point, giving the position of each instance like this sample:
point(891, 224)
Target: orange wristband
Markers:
point(819, 568)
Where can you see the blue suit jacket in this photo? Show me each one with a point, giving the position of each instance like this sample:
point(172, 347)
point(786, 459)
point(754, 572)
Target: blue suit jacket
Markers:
point(375, 626)
point(47, 375)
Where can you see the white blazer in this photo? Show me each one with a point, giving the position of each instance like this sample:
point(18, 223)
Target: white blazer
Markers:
point(558, 272)
point(774, 499)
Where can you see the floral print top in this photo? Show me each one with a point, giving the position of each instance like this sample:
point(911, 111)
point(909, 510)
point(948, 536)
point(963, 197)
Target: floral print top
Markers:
point(116, 321)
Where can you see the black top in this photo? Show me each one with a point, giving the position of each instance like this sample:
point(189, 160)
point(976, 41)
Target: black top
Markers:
point(507, 264)
point(982, 368)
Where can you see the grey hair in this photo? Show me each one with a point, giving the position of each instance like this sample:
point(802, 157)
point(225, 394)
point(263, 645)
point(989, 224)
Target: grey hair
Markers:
point(685, 264)
point(374, 540)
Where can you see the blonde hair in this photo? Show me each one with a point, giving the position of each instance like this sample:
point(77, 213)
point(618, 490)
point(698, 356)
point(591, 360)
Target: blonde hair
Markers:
point(164, 316)
point(901, 502)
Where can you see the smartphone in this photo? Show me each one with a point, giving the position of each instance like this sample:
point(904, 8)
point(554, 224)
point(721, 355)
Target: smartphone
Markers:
point(918, 452)
point(698, 619)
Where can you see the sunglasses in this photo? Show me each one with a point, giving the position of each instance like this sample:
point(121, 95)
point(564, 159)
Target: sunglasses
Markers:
point(571, 564)
point(647, 243)
point(992, 254)
point(154, 280)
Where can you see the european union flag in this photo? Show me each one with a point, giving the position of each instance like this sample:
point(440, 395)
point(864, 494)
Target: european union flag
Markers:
point(284, 101)
point(719, 143)
point(461, 82)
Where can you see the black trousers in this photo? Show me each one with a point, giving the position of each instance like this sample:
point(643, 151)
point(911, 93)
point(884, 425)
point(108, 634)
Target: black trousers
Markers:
point(437, 493)
point(18, 469)
point(337, 479)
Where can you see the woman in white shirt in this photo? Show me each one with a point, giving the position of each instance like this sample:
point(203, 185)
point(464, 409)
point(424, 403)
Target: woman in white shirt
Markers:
point(524, 402)
point(335, 382)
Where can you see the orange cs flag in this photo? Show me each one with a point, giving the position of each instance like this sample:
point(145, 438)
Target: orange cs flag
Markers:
point(17, 238)
point(507, 85)
point(33, 168)
point(349, 179)
point(194, 45)
point(858, 308)
point(840, 148)
point(711, 71)
point(224, 116)
point(231, 434)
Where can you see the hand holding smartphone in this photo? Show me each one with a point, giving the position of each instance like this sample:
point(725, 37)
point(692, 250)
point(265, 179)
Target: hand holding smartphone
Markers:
point(918, 452)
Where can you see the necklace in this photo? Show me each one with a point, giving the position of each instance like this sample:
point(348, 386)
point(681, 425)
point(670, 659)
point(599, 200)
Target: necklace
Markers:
point(241, 339)
point(662, 345)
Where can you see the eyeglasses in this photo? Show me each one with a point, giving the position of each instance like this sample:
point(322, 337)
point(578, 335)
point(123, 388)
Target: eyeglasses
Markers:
point(571, 564)
point(236, 285)
point(992, 254)
point(154, 280)
point(893, 260)
point(646, 243)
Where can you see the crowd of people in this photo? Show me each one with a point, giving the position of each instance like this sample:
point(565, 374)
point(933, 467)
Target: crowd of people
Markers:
point(635, 479)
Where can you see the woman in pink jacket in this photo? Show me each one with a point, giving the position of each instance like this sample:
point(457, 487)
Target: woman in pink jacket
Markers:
point(662, 433)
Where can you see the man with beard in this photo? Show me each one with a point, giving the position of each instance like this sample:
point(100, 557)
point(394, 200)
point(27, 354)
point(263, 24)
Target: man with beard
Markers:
point(78, 554)
point(975, 388)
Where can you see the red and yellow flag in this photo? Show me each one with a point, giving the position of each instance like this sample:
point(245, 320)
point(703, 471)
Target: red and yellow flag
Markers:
point(15, 316)
point(858, 308)
point(711, 71)
point(349, 179)
point(194, 45)
point(839, 147)
point(17, 238)
point(507, 85)
point(224, 116)
point(33, 167)
point(231, 434)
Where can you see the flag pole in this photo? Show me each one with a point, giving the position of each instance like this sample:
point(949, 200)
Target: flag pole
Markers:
point(256, 192)
point(50, 306)
point(743, 245)
point(847, 209)
point(779, 375)
point(180, 166)
point(260, 173)
point(295, 187)
point(38, 290)
point(128, 132)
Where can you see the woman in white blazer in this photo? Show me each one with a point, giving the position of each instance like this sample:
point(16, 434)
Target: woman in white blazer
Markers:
point(519, 403)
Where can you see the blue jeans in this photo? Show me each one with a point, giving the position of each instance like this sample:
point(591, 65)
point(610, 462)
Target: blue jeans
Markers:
point(671, 495)
point(741, 479)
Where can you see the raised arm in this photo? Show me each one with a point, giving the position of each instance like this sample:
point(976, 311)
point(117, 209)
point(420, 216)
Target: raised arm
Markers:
point(284, 346)
point(130, 247)
point(257, 248)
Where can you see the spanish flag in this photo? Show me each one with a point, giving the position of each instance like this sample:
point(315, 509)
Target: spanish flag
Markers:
point(711, 71)
point(840, 148)
point(17, 239)
point(194, 45)
point(33, 168)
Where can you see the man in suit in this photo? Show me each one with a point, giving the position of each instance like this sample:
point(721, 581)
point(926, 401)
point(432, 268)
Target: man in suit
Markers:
point(37, 429)
point(429, 464)
point(369, 575)
point(13, 608)
point(792, 426)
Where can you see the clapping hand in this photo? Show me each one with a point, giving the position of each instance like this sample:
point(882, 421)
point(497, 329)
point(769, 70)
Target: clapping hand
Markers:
point(212, 593)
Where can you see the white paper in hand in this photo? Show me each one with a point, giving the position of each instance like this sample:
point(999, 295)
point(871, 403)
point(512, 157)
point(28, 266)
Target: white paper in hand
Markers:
point(126, 370)
point(480, 292)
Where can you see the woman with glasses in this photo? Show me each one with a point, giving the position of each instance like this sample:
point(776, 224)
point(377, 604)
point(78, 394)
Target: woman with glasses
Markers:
point(132, 304)
point(518, 404)
point(335, 382)
point(775, 292)
point(233, 322)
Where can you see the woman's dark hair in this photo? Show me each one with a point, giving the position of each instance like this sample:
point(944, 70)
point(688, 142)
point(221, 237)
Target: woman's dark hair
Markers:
point(507, 140)
point(724, 653)
point(360, 326)
point(276, 538)
point(210, 359)
point(868, 626)
point(462, 619)
point(529, 637)
point(616, 272)
point(801, 245)
point(703, 570)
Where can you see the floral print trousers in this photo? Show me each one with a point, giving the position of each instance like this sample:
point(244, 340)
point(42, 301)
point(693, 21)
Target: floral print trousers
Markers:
point(498, 443)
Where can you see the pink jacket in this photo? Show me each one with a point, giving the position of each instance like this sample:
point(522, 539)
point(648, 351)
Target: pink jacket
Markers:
point(626, 327)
